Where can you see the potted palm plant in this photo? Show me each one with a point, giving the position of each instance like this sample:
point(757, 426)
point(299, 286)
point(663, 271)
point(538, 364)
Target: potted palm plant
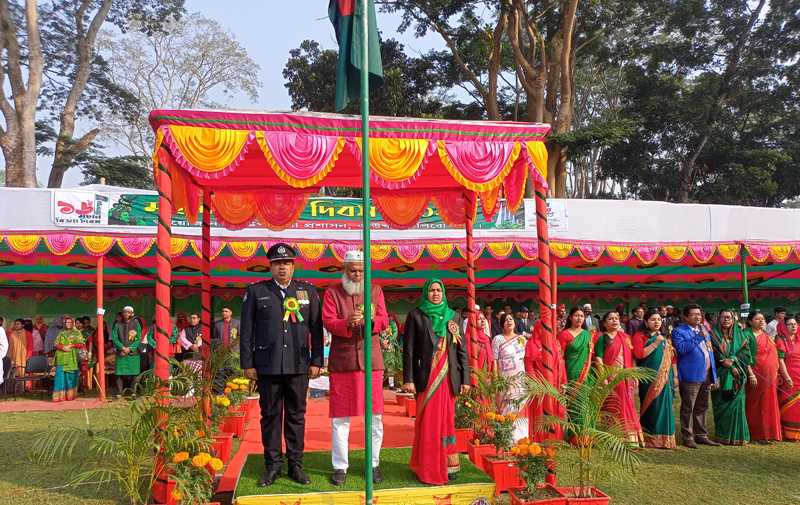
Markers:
point(604, 447)
point(467, 415)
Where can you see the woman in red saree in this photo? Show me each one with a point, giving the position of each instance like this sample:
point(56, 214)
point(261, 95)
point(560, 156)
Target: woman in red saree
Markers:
point(761, 403)
point(436, 368)
point(614, 348)
point(533, 365)
point(485, 354)
point(788, 345)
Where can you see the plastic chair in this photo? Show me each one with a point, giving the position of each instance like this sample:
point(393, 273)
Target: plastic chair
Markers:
point(8, 372)
point(37, 368)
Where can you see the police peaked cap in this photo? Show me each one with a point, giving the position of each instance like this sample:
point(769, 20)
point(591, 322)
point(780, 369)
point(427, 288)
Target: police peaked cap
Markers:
point(281, 251)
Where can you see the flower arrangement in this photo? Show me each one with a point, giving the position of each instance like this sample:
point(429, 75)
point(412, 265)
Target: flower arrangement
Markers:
point(532, 462)
point(193, 480)
point(501, 429)
point(467, 412)
point(236, 391)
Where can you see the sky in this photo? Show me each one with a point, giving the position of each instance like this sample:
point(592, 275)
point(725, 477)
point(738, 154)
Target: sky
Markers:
point(268, 30)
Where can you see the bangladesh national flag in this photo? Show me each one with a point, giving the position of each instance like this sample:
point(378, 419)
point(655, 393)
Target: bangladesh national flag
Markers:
point(347, 19)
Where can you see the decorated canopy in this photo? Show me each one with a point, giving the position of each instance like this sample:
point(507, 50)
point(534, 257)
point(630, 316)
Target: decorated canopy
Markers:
point(413, 162)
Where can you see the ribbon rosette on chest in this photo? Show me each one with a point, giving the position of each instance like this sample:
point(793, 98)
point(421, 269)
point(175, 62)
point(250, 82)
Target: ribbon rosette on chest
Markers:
point(292, 307)
point(452, 327)
point(132, 334)
point(371, 307)
point(234, 333)
point(521, 340)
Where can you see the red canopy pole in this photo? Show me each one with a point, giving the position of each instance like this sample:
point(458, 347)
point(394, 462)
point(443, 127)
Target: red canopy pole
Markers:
point(554, 279)
point(472, 332)
point(163, 324)
point(99, 352)
point(206, 299)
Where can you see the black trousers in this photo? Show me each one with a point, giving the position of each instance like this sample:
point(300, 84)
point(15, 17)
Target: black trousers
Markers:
point(283, 398)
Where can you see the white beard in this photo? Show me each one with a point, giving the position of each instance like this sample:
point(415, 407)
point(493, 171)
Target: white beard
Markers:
point(352, 288)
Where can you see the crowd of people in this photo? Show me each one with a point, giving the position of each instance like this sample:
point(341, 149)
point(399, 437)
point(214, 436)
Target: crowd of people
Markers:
point(72, 349)
point(744, 367)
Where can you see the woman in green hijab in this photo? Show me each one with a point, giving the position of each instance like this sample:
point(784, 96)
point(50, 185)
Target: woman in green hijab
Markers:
point(436, 369)
point(732, 356)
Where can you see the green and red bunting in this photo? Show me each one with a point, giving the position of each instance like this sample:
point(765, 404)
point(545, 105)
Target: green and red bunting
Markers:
point(347, 19)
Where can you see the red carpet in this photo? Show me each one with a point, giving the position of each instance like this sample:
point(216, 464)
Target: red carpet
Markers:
point(398, 431)
point(38, 405)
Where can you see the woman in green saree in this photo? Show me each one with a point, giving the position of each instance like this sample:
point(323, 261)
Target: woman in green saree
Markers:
point(578, 346)
point(653, 350)
point(732, 355)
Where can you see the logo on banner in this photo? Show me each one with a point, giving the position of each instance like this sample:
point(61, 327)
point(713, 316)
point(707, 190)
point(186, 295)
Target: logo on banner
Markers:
point(71, 208)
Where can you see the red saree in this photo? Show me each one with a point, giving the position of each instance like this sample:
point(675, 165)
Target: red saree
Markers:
point(533, 365)
point(761, 403)
point(434, 454)
point(789, 401)
point(619, 353)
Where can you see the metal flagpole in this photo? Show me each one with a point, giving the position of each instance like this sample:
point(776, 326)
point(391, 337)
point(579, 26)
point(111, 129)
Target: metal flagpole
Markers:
point(367, 255)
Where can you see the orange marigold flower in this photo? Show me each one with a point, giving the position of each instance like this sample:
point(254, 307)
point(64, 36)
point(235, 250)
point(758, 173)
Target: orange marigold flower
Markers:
point(243, 387)
point(523, 441)
point(216, 464)
point(512, 417)
point(227, 390)
point(491, 416)
point(176, 495)
point(551, 452)
point(200, 433)
point(198, 461)
point(500, 418)
point(515, 450)
point(477, 442)
point(523, 450)
point(535, 449)
point(229, 384)
point(181, 456)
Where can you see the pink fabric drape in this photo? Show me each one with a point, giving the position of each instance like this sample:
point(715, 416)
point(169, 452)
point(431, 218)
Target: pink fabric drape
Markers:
point(278, 210)
point(590, 252)
point(514, 184)
point(452, 208)
point(60, 243)
point(479, 162)
point(302, 160)
point(136, 246)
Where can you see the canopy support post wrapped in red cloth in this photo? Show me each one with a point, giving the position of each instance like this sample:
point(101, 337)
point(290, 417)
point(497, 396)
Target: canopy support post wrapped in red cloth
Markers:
point(206, 300)
point(472, 336)
point(99, 351)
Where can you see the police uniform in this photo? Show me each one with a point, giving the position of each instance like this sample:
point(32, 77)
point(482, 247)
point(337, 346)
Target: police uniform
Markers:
point(281, 336)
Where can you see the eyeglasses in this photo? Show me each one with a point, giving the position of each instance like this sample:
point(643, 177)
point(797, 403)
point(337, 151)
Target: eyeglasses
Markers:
point(725, 317)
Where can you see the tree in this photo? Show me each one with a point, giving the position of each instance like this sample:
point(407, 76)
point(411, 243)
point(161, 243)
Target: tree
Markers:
point(177, 67)
point(123, 171)
point(409, 84)
point(58, 45)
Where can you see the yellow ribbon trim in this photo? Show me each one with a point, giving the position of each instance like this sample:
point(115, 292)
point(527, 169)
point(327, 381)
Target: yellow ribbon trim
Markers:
point(480, 188)
point(23, 243)
point(311, 251)
point(500, 249)
point(675, 253)
point(209, 149)
point(380, 252)
point(243, 250)
point(561, 250)
point(97, 245)
point(395, 160)
point(729, 252)
point(619, 253)
point(177, 246)
point(780, 252)
point(300, 183)
point(440, 252)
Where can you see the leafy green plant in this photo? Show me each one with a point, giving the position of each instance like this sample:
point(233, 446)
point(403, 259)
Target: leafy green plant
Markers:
point(501, 428)
point(140, 429)
point(531, 461)
point(467, 412)
point(492, 393)
point(193, 481)
point(604, 449)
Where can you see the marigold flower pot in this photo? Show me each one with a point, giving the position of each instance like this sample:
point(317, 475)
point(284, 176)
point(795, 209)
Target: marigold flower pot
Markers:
point(162, 492)
point(503, 472)
point(600, 498)
point(244, 407)
point(234, 424)
point(402, 397)
point(515, 500)
point(223, 444)
point(411, 407)
point(475, 453)
point(462, 436)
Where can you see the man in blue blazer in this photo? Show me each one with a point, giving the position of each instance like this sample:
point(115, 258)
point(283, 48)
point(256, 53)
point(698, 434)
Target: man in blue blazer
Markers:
point(696, 373)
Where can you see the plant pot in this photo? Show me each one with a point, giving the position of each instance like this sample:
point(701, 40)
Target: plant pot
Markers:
point(223, 444)
point(244, 407)
point(562, 500)
point(503, 472)
point(462, 437)
point(234, 424)
point(162, 492)
point(475, 453)
point(211, 471)
point(411, 407)
point(600, 498)
point(401, 398)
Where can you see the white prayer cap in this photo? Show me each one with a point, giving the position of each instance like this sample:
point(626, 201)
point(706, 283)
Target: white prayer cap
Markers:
point(354, 257)
point(587, 305)
point(128, 307)
point(477, 307)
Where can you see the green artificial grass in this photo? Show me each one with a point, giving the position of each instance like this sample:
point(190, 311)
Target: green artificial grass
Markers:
point(317, 465)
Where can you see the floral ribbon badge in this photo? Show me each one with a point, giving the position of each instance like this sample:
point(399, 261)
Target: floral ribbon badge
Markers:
point(372, 309)
point(521, 341)
point(234, 333)
point(132, 334)
point(292, 307)
point(452, 327)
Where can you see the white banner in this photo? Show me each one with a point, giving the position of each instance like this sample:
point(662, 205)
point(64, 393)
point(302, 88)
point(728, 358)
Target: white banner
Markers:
point(556, 215)
point(80, 208)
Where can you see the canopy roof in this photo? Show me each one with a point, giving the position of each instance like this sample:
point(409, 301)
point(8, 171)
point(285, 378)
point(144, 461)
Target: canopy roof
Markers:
point(238, 155)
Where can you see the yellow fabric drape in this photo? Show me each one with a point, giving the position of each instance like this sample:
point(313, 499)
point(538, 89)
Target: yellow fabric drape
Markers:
point(440, 252)
point(538, 154)
point(729, 252)
point(379, 252)
point(780, 252)
point(561, 250)
point(395, 160)
point(23, 244)
point(619, 253)
point(501, 250)
point(675, 253)
point(177, 246)
point(97, 245)
point(209, 149)
point(311, 251)
point(243, 250)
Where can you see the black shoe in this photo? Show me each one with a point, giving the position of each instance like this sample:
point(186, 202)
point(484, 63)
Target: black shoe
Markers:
point(339, 477)
point(377, 476)
point(451, 477)
point(269, 478)
point(707, 441)
point(297, 475)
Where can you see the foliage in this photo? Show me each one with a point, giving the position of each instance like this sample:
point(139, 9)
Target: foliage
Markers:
point(193, 481)
point(492, 393)
point(531, 461)
point(139, 429)
point(501, 429)
point(122, 171)
point(604, 449)
point(467, 413)
point(236, 391)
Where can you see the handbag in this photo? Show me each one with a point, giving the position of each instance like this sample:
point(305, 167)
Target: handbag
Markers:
point(82, 354)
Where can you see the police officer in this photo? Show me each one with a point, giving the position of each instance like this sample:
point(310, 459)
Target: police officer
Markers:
point(280, 317)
